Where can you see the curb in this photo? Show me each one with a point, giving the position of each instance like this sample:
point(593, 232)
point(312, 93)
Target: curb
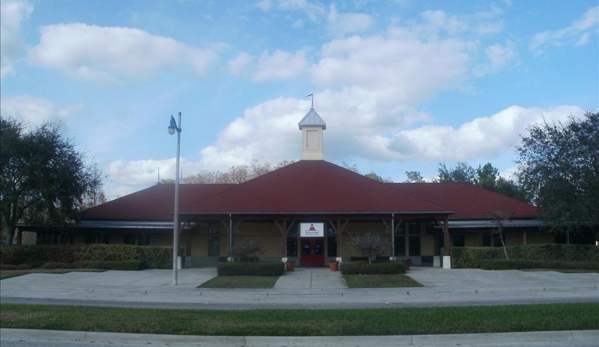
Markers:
point(300, 341)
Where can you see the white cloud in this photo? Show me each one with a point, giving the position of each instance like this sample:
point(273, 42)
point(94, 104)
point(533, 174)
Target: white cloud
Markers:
point(35, 111)
point(397, 67)
point(239, 65)
point(480, 138)
point(125, 177)
point(346, 23)
point(12, 46)
point(577, 33)
point(437, 22)
point(498, 56)
point(106, 54)
point(280, 65)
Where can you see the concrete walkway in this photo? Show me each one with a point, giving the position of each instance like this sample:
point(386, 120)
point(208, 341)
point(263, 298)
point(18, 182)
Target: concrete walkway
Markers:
point(316, 288)
point(309, 288)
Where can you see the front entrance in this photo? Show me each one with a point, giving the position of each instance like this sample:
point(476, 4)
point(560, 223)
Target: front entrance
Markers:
point(312, 252)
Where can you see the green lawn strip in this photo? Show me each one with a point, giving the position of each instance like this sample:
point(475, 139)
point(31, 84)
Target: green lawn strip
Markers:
point(389, 321)
point(566, 271)
point(4, 274)
point(241, 282)
point(379, 281)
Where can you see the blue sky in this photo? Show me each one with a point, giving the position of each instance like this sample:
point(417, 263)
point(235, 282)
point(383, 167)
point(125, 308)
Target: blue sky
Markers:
point(403, 85)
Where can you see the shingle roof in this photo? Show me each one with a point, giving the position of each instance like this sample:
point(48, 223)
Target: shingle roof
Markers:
point(313, 186)
point(155, 203)
point(467, 200)
point(312, 118)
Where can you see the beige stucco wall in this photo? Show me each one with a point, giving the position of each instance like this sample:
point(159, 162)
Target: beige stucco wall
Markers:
point(473, 240)
point(427, 245)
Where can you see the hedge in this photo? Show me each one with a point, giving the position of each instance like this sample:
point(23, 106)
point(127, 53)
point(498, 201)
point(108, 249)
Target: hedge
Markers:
point(497, 264)
point(153, 257)
point(127, 265)
point(376, 268)
point(471, 257)
point(263, 268)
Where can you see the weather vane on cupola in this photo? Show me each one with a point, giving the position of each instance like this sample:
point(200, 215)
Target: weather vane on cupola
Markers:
point(312, 96)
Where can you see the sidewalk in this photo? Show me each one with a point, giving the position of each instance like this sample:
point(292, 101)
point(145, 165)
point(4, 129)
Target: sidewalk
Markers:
point(532, 339)
point(315, 288)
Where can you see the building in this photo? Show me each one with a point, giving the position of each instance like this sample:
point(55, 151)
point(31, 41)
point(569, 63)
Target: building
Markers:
point(308, 211)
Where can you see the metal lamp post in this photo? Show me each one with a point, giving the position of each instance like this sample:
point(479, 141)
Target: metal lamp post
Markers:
point(171, 130)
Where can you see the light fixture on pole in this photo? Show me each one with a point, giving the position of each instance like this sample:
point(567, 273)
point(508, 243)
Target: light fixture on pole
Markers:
point(172, 128)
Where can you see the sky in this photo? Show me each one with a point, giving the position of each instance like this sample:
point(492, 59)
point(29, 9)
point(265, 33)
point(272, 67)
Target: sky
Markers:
point(403, 85)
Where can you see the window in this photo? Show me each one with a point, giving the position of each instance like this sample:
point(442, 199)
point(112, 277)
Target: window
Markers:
point(331, 246)
point(459, 240)
point(106, 239)
point(89, 239)
point(214, 240)
point(143, 240)
point(129, 239)
point(414, 239)
point(487, 240)
point(497, 240)
point(292, 246)
point(400, 241)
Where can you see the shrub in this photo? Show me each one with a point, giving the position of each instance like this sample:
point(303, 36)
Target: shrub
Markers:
point(57, 266)
point(154, 257)
point(263, 268)
point(376, 268)
point(471, 257)
point(369, 244)
point(126, 265)
point(15, 267)
point(499, 264)
point(248, 250)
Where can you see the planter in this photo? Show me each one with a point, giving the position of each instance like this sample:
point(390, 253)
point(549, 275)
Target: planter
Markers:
point(290, 265)
point(407, 262)
point(334, 265)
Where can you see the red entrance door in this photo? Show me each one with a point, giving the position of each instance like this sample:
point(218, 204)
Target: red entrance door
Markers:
point(312, 252)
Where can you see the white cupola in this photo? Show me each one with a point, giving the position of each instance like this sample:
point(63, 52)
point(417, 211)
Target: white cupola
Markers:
point(312, 126)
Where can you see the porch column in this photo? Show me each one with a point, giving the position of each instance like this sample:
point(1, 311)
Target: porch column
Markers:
point(392, 236)
point(230, 237)
point(446, 255)
point(524, 238)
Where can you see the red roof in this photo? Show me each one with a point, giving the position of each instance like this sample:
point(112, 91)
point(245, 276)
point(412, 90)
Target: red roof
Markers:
point(467, 200)
point(312, 186)
point(155, 203)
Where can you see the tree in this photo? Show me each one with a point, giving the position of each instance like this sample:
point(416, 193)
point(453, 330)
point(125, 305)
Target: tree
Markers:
point(370, 244)
point(558, 165)
point(414, 177)
point(374, 176)
point(486, 176)
point(43, 179)
point(236, 174)
point(462, 172)
point(499, 218)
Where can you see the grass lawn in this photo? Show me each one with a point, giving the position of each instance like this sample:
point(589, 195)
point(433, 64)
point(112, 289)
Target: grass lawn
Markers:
point(350, 322)
point(241, 282)
point(14, 273)
point(379, 281)
point(566, 271)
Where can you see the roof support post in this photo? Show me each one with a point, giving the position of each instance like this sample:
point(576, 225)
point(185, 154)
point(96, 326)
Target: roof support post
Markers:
point(392, 236)
point(230, 237)
point(445, 237)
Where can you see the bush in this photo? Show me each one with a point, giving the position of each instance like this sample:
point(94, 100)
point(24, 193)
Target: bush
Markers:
point(57, 266)
point(248, 250)
point(126, 265)
point(15, 267)
point(263, 268)
point(471, 257)
point(154, 257)
point(376, 268)
point(498, 264)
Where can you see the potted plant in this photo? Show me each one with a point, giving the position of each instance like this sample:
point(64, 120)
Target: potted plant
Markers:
point(290, 265)
point(407, 262)
point(334, 265)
